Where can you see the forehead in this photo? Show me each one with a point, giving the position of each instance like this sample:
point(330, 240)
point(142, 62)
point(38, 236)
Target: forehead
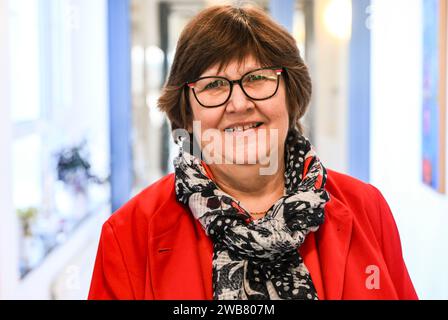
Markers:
point(232, 68)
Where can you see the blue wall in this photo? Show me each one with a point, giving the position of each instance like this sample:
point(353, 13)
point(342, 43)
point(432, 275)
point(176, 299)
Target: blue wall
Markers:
point(359, 88)
point(283, 12)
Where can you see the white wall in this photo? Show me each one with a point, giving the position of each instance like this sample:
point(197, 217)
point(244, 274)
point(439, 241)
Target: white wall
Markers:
point(421, 214)
point(8, 274)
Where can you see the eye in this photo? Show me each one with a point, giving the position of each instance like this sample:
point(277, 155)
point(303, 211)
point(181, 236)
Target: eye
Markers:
point(256, 77)
point(215, 84)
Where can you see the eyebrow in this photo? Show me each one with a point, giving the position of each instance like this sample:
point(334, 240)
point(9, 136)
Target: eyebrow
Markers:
point(227, 76)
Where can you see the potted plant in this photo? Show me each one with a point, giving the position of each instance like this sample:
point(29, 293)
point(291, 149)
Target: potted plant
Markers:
point(73, 168)
point(31, 249)
point(27, 217)
point(74, 171)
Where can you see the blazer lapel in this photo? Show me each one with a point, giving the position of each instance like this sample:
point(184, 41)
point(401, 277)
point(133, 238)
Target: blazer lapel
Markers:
point(205, 247)
point(333, 241)
point(180, 255)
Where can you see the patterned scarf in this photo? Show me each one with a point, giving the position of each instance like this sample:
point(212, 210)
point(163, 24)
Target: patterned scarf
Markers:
point(259, 259)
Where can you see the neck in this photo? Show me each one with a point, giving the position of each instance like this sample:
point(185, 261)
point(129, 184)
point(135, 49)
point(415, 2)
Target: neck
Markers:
point(243, 182)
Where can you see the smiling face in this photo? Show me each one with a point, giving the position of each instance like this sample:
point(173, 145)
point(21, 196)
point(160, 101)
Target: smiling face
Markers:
point(252, 128)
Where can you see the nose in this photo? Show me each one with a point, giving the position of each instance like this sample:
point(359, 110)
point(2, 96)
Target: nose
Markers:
point(238, 101)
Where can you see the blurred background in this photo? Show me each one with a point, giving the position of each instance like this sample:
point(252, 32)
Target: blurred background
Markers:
point(80, 132)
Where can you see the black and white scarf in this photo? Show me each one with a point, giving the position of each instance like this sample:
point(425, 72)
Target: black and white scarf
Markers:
point(259, 259)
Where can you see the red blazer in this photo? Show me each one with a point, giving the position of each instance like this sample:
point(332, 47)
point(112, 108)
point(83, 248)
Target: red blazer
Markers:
point(153, 248)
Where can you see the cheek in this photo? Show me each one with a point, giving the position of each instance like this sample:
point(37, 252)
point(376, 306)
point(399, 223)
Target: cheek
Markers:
point(285, 111)
point(277, 111)
point(208, 118)
point(278, 114)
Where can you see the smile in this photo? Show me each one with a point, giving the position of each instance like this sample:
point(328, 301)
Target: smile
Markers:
point(241, 128)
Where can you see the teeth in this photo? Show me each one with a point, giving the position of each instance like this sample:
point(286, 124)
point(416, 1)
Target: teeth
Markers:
point(241, 128)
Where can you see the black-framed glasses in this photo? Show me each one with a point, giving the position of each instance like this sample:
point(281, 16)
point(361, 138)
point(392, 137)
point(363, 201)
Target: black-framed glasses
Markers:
point(215, 91)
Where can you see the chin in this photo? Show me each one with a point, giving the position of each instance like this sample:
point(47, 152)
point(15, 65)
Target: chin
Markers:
point(248, 154)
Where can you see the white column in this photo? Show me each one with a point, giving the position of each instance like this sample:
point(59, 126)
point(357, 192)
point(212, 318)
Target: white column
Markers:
point(330, 90)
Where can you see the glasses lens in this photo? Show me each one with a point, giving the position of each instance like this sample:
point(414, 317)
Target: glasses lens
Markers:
point(261, 84)
point(212, 91)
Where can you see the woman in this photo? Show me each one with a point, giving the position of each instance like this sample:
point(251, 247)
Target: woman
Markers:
point(252, 213)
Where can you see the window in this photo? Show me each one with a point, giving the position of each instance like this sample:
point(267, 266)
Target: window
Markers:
point(60, 129)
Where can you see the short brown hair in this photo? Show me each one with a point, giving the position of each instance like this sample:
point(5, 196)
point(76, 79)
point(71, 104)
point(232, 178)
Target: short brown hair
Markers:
point(224, 33)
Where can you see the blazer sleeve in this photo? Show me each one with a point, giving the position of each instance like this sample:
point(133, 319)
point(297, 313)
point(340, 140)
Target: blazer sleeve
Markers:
point(392, 251)
point(110, 279)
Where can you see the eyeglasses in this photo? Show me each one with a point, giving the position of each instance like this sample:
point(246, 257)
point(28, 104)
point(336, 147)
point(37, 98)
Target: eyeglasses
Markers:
point(258, 84)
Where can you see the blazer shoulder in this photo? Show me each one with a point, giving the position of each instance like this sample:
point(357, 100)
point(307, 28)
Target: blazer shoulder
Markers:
point(141, 207)
point(347, 187)
point(365, 201)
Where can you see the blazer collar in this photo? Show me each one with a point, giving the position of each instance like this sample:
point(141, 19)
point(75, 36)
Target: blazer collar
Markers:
point(171, 242)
